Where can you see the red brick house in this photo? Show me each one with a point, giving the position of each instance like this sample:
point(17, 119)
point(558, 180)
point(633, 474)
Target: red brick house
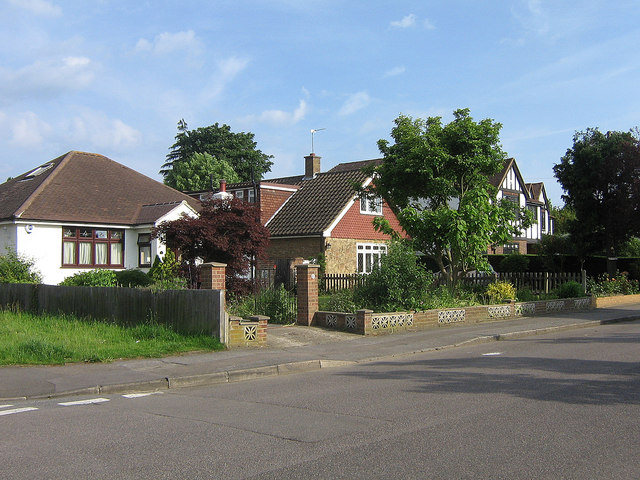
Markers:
point(319, 215)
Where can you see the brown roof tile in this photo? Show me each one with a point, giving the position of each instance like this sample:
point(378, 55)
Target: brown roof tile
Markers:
point(88, 188)
point(312, 209)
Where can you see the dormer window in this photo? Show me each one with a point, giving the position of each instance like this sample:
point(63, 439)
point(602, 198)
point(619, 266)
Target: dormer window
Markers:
point(37, 171)
point(371, 206)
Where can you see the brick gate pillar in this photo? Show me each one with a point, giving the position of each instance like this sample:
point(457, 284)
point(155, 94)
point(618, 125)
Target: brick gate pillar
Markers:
point(307, 293)
point(212, 276)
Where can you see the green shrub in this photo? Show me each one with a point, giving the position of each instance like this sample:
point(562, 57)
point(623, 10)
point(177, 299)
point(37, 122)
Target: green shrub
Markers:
point(525, 295)
point(277, 304)
point(175, 283)
point(164, 269)
point(570, 290)
point(92, 278)
point(514, 262)
point(398, 283)
point(132, 278)
point(15, 268)
point(342, 301)
point(500, 291)
point(618, 285)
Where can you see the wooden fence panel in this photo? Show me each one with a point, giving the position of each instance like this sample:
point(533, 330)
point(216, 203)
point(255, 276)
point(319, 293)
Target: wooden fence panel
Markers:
point(187, 311)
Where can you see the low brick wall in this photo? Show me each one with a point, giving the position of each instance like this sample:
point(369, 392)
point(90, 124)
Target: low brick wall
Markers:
point(365, 322)
point(248, 333)
point(603, 302)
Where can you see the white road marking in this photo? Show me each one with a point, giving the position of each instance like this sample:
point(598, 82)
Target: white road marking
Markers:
point(84, 402)
point(5, 406)
point(138, 395)
point(491, 354)
point(17, 410)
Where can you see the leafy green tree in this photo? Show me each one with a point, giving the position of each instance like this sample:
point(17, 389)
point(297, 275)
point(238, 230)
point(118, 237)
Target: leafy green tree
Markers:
point(200, 172)
point(438, 178)
point(15, 268)
point(600, 177)
point(237, 149)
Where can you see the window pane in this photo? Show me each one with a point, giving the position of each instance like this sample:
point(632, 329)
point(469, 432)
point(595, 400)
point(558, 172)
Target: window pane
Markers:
point(360, 263)
point(116, 254)
point(101, 253)
point(368, 267)
point(101, 234)
point(68, 253)
point(116, 234)
point(145, 255)
point(86, 233)
point(69, 232)
point(85, 253)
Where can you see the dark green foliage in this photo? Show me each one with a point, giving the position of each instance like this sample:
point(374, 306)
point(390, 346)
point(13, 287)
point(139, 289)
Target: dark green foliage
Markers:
point(342, 301)
point(604, 285)
point(132, 278)
point(17, 269)
point(237, 149)
point(514, 262)
point(92, 278)
point(599, 175)
point(399, 283)
point(276, 303)
point(570, 290)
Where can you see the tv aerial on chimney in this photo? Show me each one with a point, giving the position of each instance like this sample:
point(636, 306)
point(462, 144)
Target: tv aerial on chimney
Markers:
point(314, 130)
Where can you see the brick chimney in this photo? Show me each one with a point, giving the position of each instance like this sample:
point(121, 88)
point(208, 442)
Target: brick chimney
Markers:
point(311, 165)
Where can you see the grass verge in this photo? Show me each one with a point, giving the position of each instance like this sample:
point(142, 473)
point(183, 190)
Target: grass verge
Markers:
point(27, 339)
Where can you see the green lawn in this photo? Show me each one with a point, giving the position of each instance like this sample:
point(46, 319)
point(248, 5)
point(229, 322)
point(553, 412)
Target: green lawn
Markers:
point(27, 339)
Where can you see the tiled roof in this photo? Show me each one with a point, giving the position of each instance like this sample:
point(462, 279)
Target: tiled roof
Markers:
point(496, 180)
point(344, 167)
point(88, 188)
point(318, 202)
point(536, 191)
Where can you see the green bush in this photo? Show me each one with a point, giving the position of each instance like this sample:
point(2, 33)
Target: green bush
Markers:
point(92, 278)
point(398, 283)
point(132, 278)
point(514, 262)
point(570, 290)
point(175, 283)
point(277, 304)
point(15, 268)
point(342, 301)
point(500, 291)
point(525, 295)
point(619, 285)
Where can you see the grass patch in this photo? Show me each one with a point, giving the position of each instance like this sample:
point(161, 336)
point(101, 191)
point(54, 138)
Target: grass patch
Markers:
point(27, 339)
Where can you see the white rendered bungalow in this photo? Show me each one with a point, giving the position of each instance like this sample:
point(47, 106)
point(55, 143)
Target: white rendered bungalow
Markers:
point(83, 211)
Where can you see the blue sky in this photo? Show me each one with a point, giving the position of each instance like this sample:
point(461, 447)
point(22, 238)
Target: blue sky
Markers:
point(114, 76)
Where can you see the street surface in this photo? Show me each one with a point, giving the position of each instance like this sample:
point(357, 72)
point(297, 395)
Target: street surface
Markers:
point(563, 405)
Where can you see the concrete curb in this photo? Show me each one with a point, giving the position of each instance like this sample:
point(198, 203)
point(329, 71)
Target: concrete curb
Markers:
point(206, 379)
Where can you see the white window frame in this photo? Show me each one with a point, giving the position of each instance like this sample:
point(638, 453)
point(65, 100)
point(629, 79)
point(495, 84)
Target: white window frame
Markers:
point(252, 196)
point(371, 206)
point(368, 255)
point(239, 194)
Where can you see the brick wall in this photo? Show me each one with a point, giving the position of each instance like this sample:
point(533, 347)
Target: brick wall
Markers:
point(248, 333)
point(357, 225)
point(270, 201)
point(286, 248)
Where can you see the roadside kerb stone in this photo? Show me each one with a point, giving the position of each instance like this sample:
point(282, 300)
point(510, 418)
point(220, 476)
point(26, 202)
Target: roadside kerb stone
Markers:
point(198, 380)
point(146, 386)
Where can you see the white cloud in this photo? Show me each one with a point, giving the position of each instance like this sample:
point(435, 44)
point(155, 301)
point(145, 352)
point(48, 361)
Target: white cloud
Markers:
point(166, 43)
point(102, 132)
point(428, 24)
point(24, 129)
point(227, 70)
point(39, 7)
point(47, 78)
point(280, 117)
point(395, 71)
point(355, 102)
point(406, 22)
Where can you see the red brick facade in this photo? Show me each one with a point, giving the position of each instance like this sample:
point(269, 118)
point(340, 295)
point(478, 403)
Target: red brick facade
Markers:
point(272, 198)
point(359, 226)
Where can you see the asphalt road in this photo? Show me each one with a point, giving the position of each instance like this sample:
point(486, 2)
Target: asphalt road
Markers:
point(565, 406)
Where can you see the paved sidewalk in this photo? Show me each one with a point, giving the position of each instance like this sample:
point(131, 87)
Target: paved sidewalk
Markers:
point(290, 349)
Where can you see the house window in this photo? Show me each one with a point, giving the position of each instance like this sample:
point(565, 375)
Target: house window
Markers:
point(369, 255)
point(371, 206)
point(144, 249)
point(534, 210)
point(543, 220)
point(511, 248)
point(92, 247)
point(513, 198)
point(252, 196)
point(239, 194)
